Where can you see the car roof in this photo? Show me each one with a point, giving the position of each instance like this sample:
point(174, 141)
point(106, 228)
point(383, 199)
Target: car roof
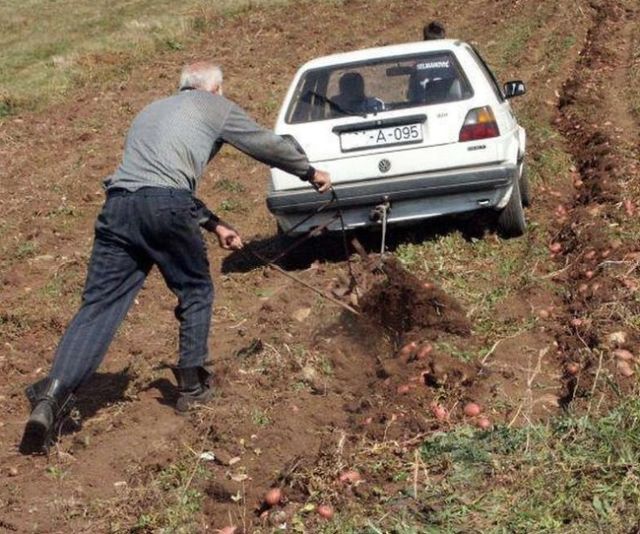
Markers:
point(436, 45)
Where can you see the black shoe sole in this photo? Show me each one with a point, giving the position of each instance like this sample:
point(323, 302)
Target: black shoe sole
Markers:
point(35, 439)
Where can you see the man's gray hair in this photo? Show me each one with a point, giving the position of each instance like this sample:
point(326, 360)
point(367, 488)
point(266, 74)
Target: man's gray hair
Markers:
point(202, 75)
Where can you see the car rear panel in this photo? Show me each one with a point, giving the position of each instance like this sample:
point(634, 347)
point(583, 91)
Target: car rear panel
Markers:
point(440, 125)
point(401, 160)
point(410, 198)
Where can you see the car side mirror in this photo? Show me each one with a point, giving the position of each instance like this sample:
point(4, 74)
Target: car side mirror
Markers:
point(514, 88)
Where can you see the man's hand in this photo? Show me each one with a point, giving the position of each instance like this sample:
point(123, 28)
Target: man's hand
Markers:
point(321, 181)
point(228, 238)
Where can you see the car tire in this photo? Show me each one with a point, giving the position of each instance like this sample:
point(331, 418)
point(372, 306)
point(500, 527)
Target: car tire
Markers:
point(525, 186)
point(511, 221)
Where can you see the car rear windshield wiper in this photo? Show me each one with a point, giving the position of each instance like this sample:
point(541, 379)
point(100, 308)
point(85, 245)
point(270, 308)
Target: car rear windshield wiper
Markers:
point(333, 105)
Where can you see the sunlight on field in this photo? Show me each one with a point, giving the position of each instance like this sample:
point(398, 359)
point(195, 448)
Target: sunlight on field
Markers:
point(326, 407)
point(48, 46)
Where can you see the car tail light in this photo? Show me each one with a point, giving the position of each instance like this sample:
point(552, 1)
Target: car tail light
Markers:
point(480, 123)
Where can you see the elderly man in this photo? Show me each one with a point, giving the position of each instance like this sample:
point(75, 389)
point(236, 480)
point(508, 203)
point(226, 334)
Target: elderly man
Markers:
point(150, 217)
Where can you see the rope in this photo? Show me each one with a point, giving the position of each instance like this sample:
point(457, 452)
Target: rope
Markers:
point(267, 263)
point(270, 263)
point(343, 230)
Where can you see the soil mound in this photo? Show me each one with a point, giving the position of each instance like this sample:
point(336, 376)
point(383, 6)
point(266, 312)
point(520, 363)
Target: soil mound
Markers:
point(407, 307)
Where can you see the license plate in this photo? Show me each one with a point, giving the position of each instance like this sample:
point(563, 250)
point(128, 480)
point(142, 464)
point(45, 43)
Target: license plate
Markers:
point(371, 138)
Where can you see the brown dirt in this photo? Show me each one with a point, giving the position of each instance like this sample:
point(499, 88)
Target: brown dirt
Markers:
point(604, 142)
point(408, 307)
point(301, 401)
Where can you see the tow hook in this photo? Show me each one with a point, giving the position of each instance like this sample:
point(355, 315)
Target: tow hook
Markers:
point(380, 213)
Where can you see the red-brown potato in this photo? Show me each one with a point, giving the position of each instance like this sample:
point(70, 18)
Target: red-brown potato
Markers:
point(472, 409)
point(624, 368)
point(326, 511)
point(624, 355)
point(439, 412)
point(407, 350)
point(629, 207)
point(273, 496)
point(572, 368)
point(483, 423)
point(424, 351)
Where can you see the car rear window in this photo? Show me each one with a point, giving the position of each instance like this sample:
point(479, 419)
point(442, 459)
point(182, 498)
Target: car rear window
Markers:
point(378, 85)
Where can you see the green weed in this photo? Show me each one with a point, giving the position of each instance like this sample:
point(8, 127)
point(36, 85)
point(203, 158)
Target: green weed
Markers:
point(181, 502)
point(229, 205)
point(260, 418)
point(24, 250)
point(229, 186)
point(56, 472)
point(557, 46)
point(53, 288)
point(173, 44)
point(13, 325)
point(7, 107)
point(408, 254)
point(326, 366)
point(264, 293)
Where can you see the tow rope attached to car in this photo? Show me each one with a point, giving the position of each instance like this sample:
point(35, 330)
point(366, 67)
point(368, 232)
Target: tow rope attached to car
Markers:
point(312, 233)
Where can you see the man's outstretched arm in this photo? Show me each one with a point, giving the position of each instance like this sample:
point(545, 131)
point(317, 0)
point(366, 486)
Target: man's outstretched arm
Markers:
point(263, 145)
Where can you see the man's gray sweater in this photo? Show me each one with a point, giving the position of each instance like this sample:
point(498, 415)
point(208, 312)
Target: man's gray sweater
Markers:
point(171, 141)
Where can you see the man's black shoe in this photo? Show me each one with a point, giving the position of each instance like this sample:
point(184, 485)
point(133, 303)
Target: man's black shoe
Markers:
point(51, 402)
point(193, 387)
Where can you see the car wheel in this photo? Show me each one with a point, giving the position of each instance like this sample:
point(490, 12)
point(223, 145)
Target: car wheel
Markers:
point(525, 187)
point(511, 221)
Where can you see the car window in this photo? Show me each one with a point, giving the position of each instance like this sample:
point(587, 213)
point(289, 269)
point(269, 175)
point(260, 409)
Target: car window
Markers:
point(487, 72)
point(378, 85)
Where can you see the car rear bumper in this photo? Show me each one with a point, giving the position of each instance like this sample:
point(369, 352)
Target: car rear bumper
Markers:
point(411, 197)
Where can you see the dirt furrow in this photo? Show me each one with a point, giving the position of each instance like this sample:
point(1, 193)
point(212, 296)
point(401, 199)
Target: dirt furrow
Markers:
point(598, 239)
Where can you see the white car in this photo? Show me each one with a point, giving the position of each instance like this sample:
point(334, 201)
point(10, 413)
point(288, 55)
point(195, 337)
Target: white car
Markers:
point(420, 129)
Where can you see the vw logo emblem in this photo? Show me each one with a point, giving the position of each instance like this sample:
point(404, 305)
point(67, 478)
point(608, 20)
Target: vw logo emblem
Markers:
point(384, 165)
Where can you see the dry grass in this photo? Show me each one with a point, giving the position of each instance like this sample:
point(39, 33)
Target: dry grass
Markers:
point(46, 55)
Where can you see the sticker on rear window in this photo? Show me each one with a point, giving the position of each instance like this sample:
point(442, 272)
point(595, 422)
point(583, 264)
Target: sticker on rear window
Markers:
point(433, 65)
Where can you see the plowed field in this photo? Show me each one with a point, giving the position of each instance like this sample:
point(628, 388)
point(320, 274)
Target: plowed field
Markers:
point(543, 331)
